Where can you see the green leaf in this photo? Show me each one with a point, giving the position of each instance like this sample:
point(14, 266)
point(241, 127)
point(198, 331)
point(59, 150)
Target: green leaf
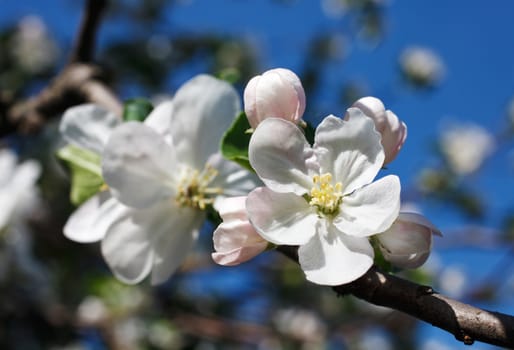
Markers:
point(230, 75)
point(234, 144)
point(136, 109)
point(86, 173)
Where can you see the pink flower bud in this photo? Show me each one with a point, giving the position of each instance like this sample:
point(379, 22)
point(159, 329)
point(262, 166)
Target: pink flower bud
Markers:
point(407, 243)
point(277, 93)
point(235, 239)
point(392, 129)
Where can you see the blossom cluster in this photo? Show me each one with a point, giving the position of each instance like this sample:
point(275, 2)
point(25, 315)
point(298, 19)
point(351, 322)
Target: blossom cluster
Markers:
point(162, 175)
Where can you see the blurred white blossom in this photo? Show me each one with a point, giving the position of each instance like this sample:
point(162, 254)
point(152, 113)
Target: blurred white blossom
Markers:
point(300, 324)
point(18, 193)
point(32, 45)
point(466, 146)
point(422, 66)
point(92, 310)
point(452, 281)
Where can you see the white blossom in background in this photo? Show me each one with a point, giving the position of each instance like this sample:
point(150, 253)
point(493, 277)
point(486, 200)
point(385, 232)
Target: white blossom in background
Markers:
point(392, 129)
point(407, 243)
point(18, 192)
point(235, 240)
point(323, 198)
point(466, 146)
point(300, 324)
point(422, 65)
point(169, 179)
point(277, 93)
point(452, 281)
point(33, 46)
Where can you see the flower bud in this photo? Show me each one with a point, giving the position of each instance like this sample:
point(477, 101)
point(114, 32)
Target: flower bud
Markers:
point(277, 93)
point(392, 129)
point(235, 239)
point(407, 243)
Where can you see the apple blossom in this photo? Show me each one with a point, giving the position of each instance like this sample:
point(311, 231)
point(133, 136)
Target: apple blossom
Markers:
point(392, 129)
point(422, 66)
point(235, 239)
point(407, 243)
point(277, 93)
point(323, 198)
point(17, 186)
point(466, 146)
point(168, 180)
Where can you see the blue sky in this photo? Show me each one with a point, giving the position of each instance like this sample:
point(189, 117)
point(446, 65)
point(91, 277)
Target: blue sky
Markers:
point(475, 41)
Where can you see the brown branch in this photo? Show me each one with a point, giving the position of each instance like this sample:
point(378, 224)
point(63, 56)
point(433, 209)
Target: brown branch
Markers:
point(79, 82)
point(467, 323)
point(84, 45)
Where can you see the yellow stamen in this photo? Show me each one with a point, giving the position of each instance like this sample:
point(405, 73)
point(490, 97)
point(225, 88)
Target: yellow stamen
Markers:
point(193, 189)
point(325, 196)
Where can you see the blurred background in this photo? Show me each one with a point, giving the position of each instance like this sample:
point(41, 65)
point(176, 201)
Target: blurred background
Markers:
point(445, 68)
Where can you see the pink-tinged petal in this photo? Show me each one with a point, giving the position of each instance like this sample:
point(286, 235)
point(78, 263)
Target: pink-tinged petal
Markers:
point(349, 150)
point(174, 232)
point(392, 129)
point(281, 218)
point(277, 93)
point(88, 126)
point(232, 208)
point(236, 241)
point(204, 108)
point(89, 223)
point(139, 166)
point(233, 179)
point(127, 247)
point(159, 119)
point(282, 157)
point(370, 209)
point(407, 243)
point(333, 258)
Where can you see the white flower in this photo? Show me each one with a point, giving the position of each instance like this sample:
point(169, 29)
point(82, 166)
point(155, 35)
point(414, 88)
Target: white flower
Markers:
point(18, 192)
point(33, 46)
point(322, 198)
point(392, 129)
point(169, 179)
point(235, 239)
point(276, 93)
point(407, 243)
point(466, 146)
point(422, 65)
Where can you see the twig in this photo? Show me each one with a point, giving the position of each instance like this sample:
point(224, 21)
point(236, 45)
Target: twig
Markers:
point(467, 323)
point(79, 82)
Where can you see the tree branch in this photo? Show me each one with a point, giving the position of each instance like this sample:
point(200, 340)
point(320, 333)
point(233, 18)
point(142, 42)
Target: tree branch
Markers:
point(84, 45)
point(467, 323)
point(79, 82)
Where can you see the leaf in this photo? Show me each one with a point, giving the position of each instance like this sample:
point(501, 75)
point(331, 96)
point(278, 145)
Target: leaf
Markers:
point(136, 109)
point(86, 173)
point(234, 144)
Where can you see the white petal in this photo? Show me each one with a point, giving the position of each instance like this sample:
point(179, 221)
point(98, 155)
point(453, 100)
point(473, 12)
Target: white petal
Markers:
point(174, 233)
point(370, 209)
point(281, 218)
point(138, 165)
point(88, 126)
point(159, 119)
point(282, 157)
point(8, 162)
point(233, 179)
point(419, 219)
point(333, 258)
point(350, 150)
point(232, 208)
point(236, 241)
point(16, 195)
point(89, 223)
point(204, 109)
point(127, 247)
